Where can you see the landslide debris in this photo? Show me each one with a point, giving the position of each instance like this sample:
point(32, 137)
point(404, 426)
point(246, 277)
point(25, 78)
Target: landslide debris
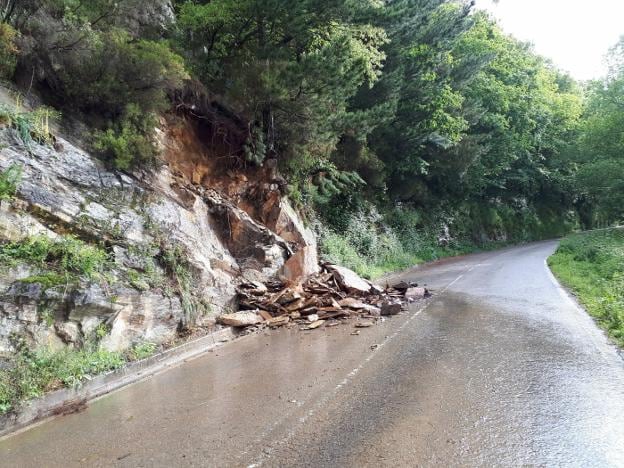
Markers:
point(333, 295)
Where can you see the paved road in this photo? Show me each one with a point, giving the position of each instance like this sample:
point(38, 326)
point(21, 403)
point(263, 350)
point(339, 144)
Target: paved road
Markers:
point(500, 368)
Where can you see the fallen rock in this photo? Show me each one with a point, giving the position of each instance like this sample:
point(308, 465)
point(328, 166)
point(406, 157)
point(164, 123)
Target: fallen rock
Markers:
point(372, 310)
point(391, 308)
point(349, 280)
point(415, 293)
point(315, 324)
point(265, 315)
point(240, 319)
point(404, 285)
point(364, 324)
point(278, 321)
point(352, 303)
point(255, 288)
point(312, 318)
point(302, 264)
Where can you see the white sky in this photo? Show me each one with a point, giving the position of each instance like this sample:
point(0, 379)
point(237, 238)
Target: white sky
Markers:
point(575, 34)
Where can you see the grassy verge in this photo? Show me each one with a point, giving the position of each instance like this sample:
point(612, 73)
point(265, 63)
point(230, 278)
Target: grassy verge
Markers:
point(390, 256)
point(592, 266)
point(30, 374)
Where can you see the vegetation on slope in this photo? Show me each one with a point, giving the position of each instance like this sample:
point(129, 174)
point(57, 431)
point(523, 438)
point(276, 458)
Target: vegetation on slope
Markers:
point(418, 117)
point(592, 266)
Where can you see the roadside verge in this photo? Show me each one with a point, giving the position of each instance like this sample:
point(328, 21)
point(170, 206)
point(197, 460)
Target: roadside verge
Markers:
point(71, 400)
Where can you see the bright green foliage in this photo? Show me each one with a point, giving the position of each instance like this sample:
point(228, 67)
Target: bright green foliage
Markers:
point(8, 50)
point(66, 255)
point(130, 142)
point(142, 351)
point(592, 265)
point(9, 181)
point(600, 151)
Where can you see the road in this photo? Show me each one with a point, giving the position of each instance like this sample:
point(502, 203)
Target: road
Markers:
point(499, 368)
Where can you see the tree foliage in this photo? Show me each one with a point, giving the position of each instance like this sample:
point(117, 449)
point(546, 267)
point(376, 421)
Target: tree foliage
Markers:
point(422, 104)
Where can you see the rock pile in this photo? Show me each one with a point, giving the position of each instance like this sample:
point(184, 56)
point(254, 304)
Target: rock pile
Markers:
point(335, 293)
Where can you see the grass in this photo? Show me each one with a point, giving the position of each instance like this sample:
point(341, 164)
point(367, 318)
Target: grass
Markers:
point(592, 266)
point(66, 256)
point(31, 374)
point(387, 254)
point(30, 125)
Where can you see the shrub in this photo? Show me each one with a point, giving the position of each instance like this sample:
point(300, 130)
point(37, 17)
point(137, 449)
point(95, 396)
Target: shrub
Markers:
point(9, 181)
point(114, 69)
point(130, 142)
point(8, 50)
point(67, 255)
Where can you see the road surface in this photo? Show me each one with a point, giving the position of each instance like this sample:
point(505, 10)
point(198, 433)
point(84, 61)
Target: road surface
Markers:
point(499, 368)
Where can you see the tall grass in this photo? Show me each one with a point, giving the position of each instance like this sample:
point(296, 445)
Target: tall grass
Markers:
point(592, 266)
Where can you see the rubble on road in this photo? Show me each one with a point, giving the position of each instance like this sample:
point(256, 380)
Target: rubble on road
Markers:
point(324, 299)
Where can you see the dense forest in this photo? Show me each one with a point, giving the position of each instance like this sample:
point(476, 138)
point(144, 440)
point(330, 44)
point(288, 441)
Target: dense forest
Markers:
point(405, 128)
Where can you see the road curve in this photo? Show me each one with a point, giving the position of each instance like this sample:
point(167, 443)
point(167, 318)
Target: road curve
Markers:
point(499, 368)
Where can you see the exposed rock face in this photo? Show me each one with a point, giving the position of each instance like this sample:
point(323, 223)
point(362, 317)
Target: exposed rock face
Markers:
point(69, 191)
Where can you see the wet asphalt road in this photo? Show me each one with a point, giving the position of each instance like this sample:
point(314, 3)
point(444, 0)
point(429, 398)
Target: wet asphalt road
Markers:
point(499, 368)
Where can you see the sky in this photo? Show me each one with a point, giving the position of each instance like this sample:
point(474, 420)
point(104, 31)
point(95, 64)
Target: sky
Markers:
point(574, 34)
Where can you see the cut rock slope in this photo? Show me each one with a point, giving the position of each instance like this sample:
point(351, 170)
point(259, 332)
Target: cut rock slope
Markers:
point(143, 220)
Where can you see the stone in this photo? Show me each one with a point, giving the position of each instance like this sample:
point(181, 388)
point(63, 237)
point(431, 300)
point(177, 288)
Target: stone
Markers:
point(391, 308)
point(415, 293)
point(349, 280)
point(312, 317)
point(278, 321)
point(315, 324)
point(146, 316)
point(92, 300)
point(69, 332)
point(265, 315)
point(240, 319)
point(88, 325)
point(351, 303)
point(375, 289)
point(372, 310)
point(301, 265)
point(255, 288)
point(364, 324)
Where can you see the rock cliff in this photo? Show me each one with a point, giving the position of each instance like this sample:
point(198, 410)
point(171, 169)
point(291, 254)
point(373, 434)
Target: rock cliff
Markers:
point(177, 239)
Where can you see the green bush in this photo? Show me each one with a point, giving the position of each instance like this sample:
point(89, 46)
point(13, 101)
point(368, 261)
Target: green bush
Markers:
point(8, 50)
point(130, 142)
point(66, 255)
point(9, 181)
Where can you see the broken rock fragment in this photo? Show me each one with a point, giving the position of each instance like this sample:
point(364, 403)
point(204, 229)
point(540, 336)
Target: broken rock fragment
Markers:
point(240, 319)
point(391, 308)
point(415, 293)
point(349, 280)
